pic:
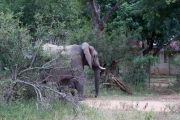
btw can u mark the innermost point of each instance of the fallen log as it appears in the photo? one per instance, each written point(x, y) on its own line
point(103, 84)
point(120, 85)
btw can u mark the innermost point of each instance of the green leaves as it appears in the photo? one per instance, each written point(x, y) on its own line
point(13, 41)
point(170, 1)
point(136, 74)
point(146, 60)
point(176, 60)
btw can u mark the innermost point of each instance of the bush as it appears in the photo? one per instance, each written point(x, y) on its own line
point(21, 63)
point(137, 74)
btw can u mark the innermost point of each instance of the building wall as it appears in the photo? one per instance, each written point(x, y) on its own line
point(163, 68)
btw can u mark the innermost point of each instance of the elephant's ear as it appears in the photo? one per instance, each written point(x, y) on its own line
point(86, 50)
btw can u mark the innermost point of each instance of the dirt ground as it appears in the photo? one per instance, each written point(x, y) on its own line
point(161, 103)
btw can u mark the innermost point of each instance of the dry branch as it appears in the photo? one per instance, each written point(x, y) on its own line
point(108, 84)
point(42, 100)
point(120, 85)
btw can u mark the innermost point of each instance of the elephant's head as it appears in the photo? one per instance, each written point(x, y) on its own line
point(92, 59)
point(91, 56)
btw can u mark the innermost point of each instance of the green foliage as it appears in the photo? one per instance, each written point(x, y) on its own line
point(170, 1)
point(149, 115)
point(68, 15)
point(25, 7)
point(176, 60)
point(146, 60)
point(18, 58)
point(160, 19)
point(114, 46)
point(14, 43)
point(20, 110)
point(136, 74)
point(69, 22)
point(84, 34)
point(157, 19)
point(50, 9)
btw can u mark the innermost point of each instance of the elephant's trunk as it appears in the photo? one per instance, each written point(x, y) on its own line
point(97, 79)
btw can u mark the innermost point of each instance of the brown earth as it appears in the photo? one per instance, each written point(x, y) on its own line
point(163, 103)
point(159, 104)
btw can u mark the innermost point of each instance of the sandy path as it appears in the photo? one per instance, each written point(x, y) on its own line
point(159, 104)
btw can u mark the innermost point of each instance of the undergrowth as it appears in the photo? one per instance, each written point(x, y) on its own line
point(61, 110)
point(26, 110)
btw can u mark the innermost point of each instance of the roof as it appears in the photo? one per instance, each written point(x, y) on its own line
point(175, 45)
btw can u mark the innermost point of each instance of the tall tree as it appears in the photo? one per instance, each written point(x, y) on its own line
point(162, 23)
point(98, 23)
point(156, 22)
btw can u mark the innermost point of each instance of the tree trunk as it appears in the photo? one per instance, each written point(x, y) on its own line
point(150, 46)
point(98, 23)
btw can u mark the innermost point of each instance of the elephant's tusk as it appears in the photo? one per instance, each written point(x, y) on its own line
point(102, 68)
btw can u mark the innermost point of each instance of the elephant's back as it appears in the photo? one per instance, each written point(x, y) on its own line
point(50, 48)
point(72, 49)
point(69, 49)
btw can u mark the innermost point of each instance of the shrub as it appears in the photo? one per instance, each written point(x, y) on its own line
point(137, 74)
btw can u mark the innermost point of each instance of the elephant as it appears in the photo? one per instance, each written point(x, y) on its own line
point(70, 83)
point(77, 56)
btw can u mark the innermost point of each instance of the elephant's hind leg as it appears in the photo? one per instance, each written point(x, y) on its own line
point(79, 88)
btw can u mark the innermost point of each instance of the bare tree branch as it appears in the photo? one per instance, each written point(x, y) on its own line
point(42, 100)
point(95, 11)
point(111, 10)
point(47, 65)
